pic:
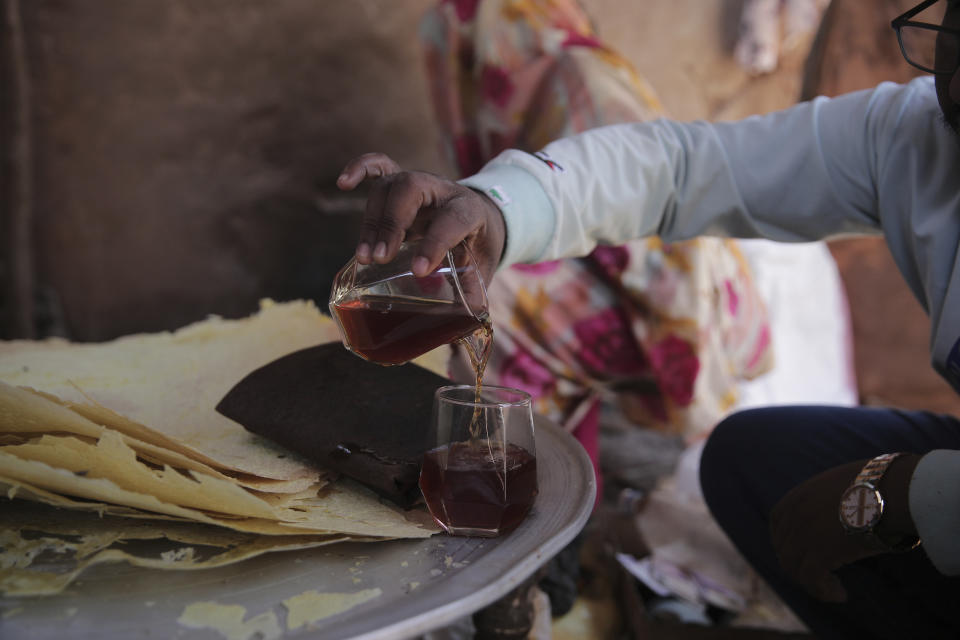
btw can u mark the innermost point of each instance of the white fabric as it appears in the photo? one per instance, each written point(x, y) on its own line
point(868, 162)
point(809, 326)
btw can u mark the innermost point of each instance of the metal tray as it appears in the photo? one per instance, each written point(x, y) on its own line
point(423, 584)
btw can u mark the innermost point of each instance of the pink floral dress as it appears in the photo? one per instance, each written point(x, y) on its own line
point(667, 330)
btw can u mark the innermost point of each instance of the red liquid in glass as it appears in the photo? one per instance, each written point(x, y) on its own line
point(467, 489)
point(391, 330)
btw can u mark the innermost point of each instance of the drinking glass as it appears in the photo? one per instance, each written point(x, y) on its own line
point(480, 477)
point(387, 315)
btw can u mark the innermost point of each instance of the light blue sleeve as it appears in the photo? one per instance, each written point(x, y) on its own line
point(801, 174)
point(526, 209)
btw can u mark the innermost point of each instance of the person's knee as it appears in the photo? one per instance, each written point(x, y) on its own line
point(754, 456)
point(728, 449)
point(729, 440)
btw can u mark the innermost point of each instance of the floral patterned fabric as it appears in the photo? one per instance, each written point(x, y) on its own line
point(666, 330)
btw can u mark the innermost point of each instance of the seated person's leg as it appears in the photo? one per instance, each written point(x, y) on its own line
point(753, 458)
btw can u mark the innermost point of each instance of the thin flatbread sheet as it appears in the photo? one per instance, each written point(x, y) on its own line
point(171, 382)
point(110, 458)
point(25, 413)
point(344, 507)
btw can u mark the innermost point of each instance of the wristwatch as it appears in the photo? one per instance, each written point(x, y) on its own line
point(861, 505)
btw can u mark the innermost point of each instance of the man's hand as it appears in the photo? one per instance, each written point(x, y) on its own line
point(810, 541)
point(444, 213)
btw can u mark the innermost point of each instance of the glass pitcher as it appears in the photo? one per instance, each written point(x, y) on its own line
point(387, 315)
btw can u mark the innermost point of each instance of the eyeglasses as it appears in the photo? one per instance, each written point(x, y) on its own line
point(928, 47)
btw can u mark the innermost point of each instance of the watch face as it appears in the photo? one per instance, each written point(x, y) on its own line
point(860, 507)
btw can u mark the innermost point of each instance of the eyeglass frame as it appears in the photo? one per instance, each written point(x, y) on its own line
point(903, 20)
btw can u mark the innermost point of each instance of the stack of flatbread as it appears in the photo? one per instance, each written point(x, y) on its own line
point(120, 441)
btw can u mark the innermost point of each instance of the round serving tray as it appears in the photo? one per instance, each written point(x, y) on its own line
point(420, 584)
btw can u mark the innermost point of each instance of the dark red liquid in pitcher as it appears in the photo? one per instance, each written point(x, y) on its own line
point(467, 488)
point(391, 330)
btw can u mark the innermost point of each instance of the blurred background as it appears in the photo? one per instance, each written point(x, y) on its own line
point(165, 160)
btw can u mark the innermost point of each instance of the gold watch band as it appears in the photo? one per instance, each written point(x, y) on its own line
point(874, 470)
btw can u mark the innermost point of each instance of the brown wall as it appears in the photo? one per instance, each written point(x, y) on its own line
point(185, 150)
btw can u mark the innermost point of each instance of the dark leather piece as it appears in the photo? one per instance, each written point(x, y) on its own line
point(366, 421)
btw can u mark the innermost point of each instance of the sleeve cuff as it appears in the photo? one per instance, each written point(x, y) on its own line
point(527, 212)
point(935, 508)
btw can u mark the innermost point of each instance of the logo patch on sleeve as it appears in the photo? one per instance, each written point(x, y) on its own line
point(545, 158)
point(498, 195)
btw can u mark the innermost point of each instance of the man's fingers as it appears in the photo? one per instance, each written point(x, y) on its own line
point(367, 166)
point(791, 557)
point(809, 573)
point(444, 232)
point(394, 204)
point(409, 194)
point(830, 589)
point(817, 579)
point(370, 229)
point(441, 212)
